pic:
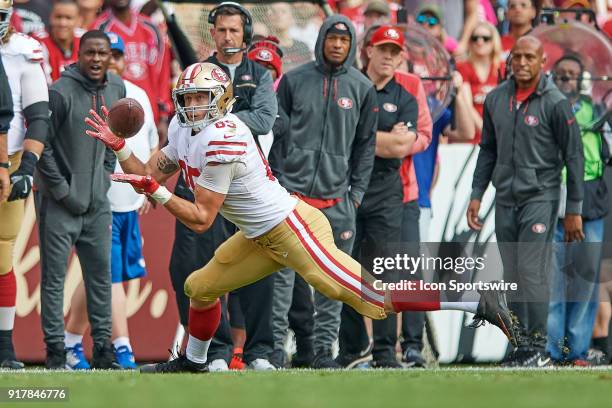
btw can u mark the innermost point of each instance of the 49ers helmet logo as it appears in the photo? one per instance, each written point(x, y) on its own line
point(345, 103)
point(531, 120)
point(218, 74)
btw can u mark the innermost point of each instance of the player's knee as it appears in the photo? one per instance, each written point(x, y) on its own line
point(198, 290)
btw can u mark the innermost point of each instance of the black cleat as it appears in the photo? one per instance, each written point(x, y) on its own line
point(413, 358)
point(104, 357)
point(11, 364)
point(56, 356)
point(536, 359)
point(324, 361)
point(493, 308)
point(390, 363)
point(179, 365)
point(353, 360)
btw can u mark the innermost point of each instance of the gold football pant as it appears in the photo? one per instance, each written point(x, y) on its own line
point(304, 243)
point(11, 216)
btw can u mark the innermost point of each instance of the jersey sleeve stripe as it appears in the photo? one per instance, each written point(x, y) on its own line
point(227, 152)
point(222, 143)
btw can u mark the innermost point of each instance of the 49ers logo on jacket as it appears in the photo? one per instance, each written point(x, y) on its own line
point(345, 103)
point(219, 75)
point(531, 120)
point(538, 228)
point(389, 107)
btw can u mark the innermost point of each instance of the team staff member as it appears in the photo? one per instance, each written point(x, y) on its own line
point(61, 43)
point(21, 57)
point(256, 106)
point(330, 146)
point(529, 134)
point(71, 203)
point(381, 208)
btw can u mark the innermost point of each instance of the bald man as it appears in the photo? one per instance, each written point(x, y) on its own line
point(529, 135)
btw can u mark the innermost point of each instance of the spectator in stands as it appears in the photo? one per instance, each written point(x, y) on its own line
point(430, 17)
point(331, 143)
point(520, 16)
point(281, 21)
point(147, 57)
point(88, 12)
point(127, 262)
point(482, 70)
point(61, 43)
point(377, 12)
point(71, 203)
point(575, 278)
point(256, 106)
point(34, 14)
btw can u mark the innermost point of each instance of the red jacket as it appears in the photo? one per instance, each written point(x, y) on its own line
point(412, 84)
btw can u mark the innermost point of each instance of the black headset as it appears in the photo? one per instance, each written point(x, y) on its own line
point(248, 20)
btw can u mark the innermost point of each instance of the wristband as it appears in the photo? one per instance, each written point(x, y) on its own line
point(161, 195)
point(5, 165)
point(124, 153)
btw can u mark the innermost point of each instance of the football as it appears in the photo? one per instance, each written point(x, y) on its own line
point(125, 117)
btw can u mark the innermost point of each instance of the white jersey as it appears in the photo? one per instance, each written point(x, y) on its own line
point(22, 57)
point(255, 201)
point(122, 196)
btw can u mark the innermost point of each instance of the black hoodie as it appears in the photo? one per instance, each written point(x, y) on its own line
point(75, 167)
point(330, 142)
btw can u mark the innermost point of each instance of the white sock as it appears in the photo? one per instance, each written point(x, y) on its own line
point(463, 306)
point(197, 349)
point(72, 339)
point(7, 318)
point(122, 341)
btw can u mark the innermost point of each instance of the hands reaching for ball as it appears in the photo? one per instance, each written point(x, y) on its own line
point(142, 184)
point(102, 131)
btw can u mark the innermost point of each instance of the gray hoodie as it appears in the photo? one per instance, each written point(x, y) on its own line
point(330, 141)
point(75, 167)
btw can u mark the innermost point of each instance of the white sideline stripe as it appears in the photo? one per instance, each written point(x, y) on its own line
point(331, 265)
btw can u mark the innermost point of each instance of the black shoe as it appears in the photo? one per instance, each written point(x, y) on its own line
point(536, 359)
point(11, 364)
point(278, 358)
point(56, 356)
point(298, 361)
point(386, 363)
point(104, 357)
point(515, 357)
point(413, 358)
point(323, 360)
point(352, 360)
point(493, 308)
point(179, 365)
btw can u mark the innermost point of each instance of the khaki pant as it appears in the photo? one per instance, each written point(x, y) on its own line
point(11, 216)
point(304, 243)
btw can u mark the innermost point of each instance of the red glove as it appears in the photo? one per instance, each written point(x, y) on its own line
point(102, 131)
point(142, 184)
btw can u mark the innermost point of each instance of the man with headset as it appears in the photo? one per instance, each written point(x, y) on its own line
point(256, 106)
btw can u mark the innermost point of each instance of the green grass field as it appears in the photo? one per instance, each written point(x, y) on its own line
point(476, 387)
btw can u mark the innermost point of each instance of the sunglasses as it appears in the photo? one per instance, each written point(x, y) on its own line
point(430, 20)
point(484, 38)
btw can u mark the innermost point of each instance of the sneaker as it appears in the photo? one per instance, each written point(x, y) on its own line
point(261, 364)
point(103, 357)
point(352, 360)
point(597, 357)
point(413, 358)
point(515, 358)
point(493, 308)
point(75, 358)
point(125, 358)
point(323, 360)
point(536, 359)
point(390, 363)
point(178, 365)
point(237, 362)
point(56, 356)
point(11, 364)
point(218, 365)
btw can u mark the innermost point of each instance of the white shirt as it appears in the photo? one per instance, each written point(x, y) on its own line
point(254, 201)
point(122, 196)
point(22, 57)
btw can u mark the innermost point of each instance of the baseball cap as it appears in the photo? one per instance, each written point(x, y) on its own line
point(116, 43)
point(387, 35)
point(378, 6)
point(432, 9)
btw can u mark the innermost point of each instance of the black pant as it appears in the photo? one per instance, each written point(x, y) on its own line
point(412, 322)
point(301, 317)
point(378, 234)
point(525, 235)
point(192, 251)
